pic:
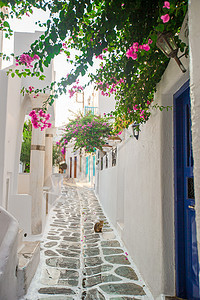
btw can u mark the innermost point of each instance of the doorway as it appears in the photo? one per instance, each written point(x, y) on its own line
point(75, 166)
point(187, 266)
point(70, 168)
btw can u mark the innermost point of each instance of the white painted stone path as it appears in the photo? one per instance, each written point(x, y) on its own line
point(76, 262)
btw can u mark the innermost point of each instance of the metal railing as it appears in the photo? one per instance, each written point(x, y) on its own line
point(91, 109)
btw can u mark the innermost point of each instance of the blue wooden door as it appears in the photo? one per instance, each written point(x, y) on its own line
point(187, 266)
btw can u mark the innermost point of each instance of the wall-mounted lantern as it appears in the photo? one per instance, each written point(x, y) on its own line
point(135, 128)
point(166, 43)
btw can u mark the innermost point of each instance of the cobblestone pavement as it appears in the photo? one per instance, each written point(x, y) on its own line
point(76, 262)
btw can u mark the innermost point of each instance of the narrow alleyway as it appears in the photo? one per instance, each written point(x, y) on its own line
point(76, 262)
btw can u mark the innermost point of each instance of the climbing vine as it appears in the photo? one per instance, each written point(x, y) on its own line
point(121, 34)
point(87, 133)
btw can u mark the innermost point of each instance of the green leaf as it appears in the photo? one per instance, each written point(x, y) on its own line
point(160, 28)
point(6, 24)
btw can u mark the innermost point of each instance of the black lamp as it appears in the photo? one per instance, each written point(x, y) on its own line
point(135, 128)
point(166, 43)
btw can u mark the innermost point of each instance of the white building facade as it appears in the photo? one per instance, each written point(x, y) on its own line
point(23, 206)
point(152, 195)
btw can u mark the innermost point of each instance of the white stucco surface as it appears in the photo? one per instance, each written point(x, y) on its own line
point(194, 43)
point(23, 183)
point(8, 256)
point(138, 194)
point(106, 104)
point(20, 208)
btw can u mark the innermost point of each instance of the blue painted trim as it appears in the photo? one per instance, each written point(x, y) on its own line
point(182, 90)
point(186, 253)
point(179, 220)
point(89, 166)
point(94, 160)
point(86, 169)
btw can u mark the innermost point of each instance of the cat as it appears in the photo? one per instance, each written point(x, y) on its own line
point(98, 226)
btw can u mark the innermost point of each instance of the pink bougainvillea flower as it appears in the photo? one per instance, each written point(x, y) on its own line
point(31, 88)
point(134, 56)
point(150, 41)
point(100, 56)
point(166, 4)
point(146, 47)
point(36, 56)
point(165, 18)
point(129, 53)
point(135, 47)
point(40, 120)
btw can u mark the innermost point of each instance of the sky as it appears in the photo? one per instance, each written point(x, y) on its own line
point(66, 108)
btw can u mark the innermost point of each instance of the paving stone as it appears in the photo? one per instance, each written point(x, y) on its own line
point(54, 225)
point(92, 241)
point(86, 232)
point(91, 251)
point(91, 245)
point(93, 261)
point(124, 298)
point(50, 253)
point(113, 243)
point(107, 230)
point(76, 234)
point(50, 244)
point(123, 289)
point(68, 282)
point(93, 294)
point(69, 274)
point(53, 232)
point(75, 248)
point(94, 280)
point(56, 290)
point(92, 236)
point(126, 272)
point(71, 246)
point(117, 259)
point(63, 262)
point(57, 298)
point(109, 251)
point(68, 253)
point(53, 237)
point(71, 239)
point(65, 233)
point(98, 269)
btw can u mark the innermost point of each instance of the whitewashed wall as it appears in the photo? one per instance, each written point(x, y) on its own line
point(194, 41)
point(106, 104)
point(138, 193)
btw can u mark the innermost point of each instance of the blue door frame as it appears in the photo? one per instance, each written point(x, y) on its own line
point(187, 266)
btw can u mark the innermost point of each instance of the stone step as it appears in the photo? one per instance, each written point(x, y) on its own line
point(29, 257)
point(20, 239)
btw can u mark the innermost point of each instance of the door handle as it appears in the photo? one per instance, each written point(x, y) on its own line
point(191, 206)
